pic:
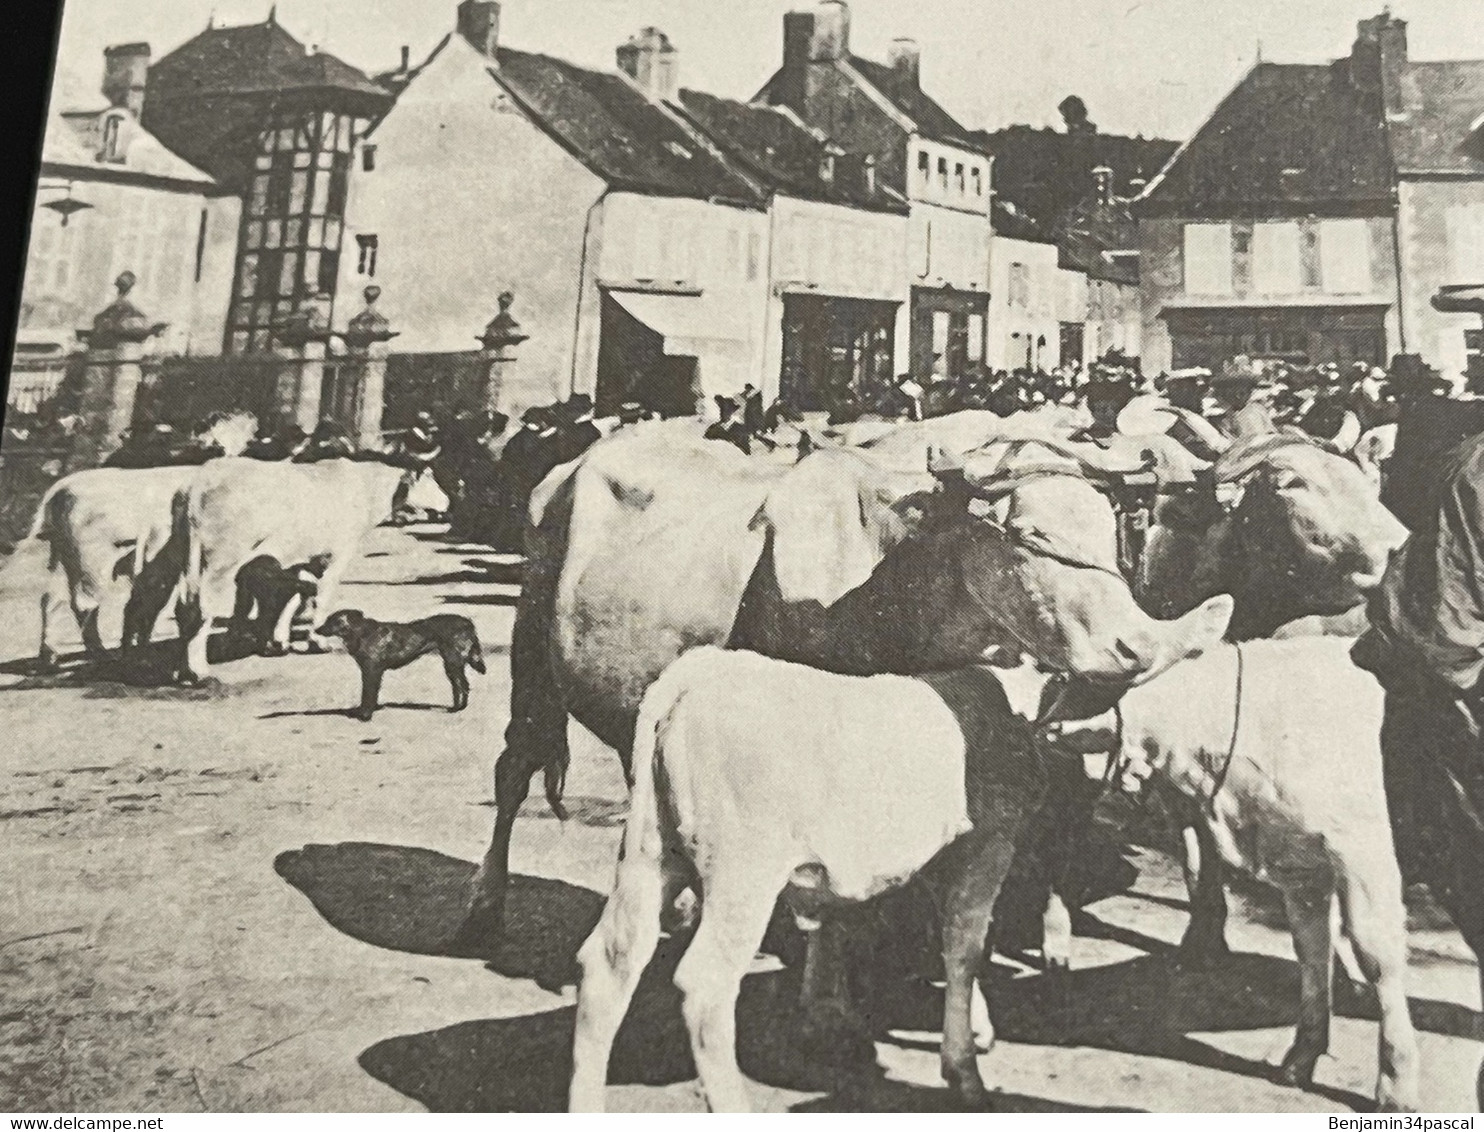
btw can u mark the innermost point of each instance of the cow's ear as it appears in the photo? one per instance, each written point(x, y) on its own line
point(828, 530)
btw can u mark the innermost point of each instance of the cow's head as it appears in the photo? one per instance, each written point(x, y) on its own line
point(1309, 526)
point(1044, 564)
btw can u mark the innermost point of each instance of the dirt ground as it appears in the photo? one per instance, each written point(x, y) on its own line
point(236, 899)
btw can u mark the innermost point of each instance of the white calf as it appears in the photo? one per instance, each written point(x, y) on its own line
point(1278, 744)
point(752, 776)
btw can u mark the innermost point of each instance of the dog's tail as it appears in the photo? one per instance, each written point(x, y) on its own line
point(476, 655)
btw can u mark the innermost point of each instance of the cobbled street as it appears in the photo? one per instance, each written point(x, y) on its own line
point(236, 898)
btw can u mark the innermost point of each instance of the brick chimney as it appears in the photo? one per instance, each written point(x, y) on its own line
point(905, 58)
point(479, 23)
point(1378, 60)
point(125, 71)
point(650, 59)
point(831, 39)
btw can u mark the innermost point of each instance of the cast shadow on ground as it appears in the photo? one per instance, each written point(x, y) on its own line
point(412, 900)
point(522, 1064)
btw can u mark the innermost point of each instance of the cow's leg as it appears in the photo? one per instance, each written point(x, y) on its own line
point(967, 907)
point(739, 894)
point(282, 635)
point(53, 599)
point(1205, 878)
point(324, 600)
point(612, 960)
point(485, 918)
point(196, 613)
point(1376, 922)
point(1308, 904)
point(825, 993)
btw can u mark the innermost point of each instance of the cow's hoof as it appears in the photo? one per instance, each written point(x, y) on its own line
point(48, 663)
point(969, 1088)
point(363, 716)
point(835, 1035)
point(1204, 949)
point(189, 680)
point(314, 645)
point(478, 934)
point(1297, 1069)
point(274, 648)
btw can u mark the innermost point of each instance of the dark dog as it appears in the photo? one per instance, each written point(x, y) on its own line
point(265, 590)
point(377, 646)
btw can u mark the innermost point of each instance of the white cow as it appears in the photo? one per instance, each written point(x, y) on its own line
point(98, 524)
point(759, 775)
point(1278, 745)
point(237, 509)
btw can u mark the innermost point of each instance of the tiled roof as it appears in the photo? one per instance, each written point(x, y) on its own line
point(257, 59)
point(1441, 103)
point(74, 139)
point(1298, 136)
point(932, 121)
point(1008, 220)
point(616, 131)
point(779, 152)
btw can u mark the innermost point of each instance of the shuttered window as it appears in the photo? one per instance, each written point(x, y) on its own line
point(1208, 259)
point(1276, 258)
point(1345, 256)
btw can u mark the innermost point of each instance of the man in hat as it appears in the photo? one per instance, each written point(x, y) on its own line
point(1106, 394)
point(1238, 415)
point(327, 442)
point(577, 432)
point(630, 413)
point(730, 426)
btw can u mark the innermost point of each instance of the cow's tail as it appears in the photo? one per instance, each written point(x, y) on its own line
point(642, 836)
point(183, 533)
point(42, 525)
point(476, 656)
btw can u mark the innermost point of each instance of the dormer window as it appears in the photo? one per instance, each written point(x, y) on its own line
point(958, 174)
point(113, 148)
point(924, 167)
point(978, 182)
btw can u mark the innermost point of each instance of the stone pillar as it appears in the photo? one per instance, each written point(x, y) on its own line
point(303, 338)
point(500, 338)
point(366, 337)
point(115, 348)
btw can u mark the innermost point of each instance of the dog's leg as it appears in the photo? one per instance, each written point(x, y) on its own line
point(370, 691)
point(453, 665)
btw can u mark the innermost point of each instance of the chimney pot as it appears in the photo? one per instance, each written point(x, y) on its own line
point(905, 58)
point(831, 39)
point(406, 58)
point(650, 59)
point(479, 23)
point(125, 75)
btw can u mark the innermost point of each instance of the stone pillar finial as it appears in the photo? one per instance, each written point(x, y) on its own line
point(115, 345)
point(502, 334)
point(366, 337)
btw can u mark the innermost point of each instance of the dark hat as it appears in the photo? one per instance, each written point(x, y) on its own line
point(580, 403)
point(631, 411)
